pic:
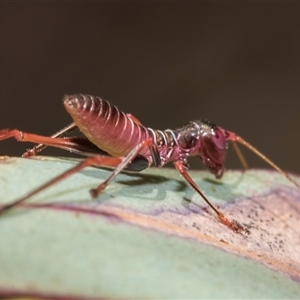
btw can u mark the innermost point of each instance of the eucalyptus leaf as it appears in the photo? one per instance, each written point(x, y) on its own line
point(148, 235)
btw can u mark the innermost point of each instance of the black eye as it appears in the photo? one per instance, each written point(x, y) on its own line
point(187, 138)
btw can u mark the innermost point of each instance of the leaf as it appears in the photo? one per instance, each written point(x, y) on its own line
point(148, 235)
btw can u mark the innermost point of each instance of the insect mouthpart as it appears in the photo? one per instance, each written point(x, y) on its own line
point(213, 148)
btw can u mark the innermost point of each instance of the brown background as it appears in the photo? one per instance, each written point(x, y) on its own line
point(237, 64)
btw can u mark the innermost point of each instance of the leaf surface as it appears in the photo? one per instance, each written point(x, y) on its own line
point(148, 235)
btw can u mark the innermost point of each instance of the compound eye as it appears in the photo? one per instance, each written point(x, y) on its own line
point(219, 138)
point(187, 139)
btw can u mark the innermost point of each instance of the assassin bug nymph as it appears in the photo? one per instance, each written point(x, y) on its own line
point(115, 139)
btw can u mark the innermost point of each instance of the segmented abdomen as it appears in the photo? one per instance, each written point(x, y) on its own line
point(104, 124)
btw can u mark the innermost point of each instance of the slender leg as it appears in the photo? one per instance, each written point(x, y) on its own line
point(91, 161)
point(33, 151)
point(77, 144)
point(234, 225)
point(63, 143)
point(132, 154)
point(99, 161)
point(153, 149)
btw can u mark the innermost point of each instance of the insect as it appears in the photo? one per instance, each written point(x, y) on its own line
point(112, 138)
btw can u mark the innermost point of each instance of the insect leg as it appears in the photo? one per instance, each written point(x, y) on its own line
point(182, 169)
point(91, 161)
point(99, 161)
point(66, 130)
point(63, 143)
point(79, 145)
point(125, 162)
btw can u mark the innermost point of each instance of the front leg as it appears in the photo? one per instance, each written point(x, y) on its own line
point(232, 224)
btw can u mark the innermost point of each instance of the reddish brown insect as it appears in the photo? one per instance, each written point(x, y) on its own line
point(115, 139)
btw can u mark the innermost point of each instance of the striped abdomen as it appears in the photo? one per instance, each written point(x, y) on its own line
point(104, 124)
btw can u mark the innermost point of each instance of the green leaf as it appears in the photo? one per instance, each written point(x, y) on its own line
point(148, 235)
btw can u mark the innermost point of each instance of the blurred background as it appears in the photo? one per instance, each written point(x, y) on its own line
point(236, 64)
